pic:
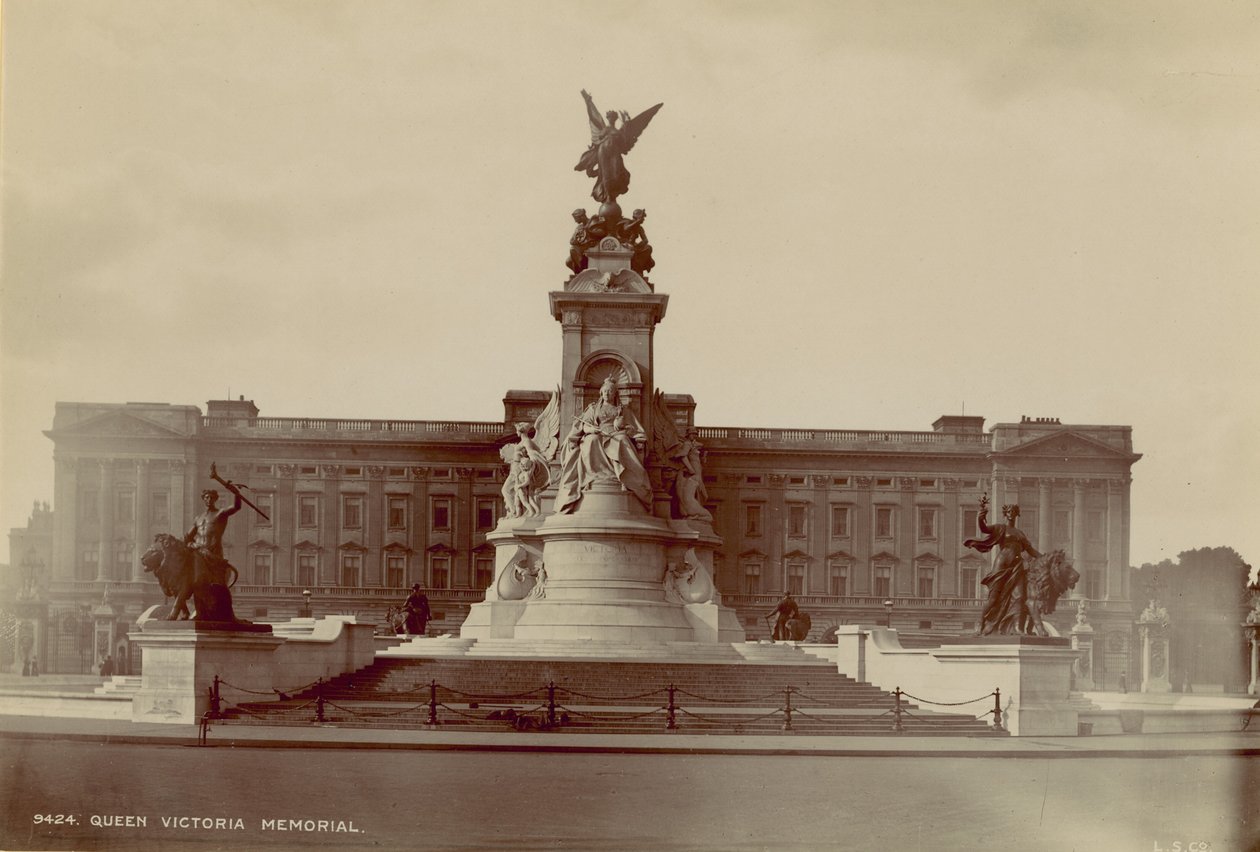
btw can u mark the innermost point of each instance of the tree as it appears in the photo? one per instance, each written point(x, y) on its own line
point(1205, 592)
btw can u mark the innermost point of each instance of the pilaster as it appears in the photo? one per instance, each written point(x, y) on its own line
point(105, 512)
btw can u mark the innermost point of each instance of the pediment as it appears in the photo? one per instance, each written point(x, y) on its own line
point(260, 544)
point(884, 556)
point(1066, 444)
point(119, 423)
point(440, 548)
point(798, 555)
point(928, 558)
point(351, 545)
point(306, 544)
point(396, 547)
point(752, 553)
point(841, 556)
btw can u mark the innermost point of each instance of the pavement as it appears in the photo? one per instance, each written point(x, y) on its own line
point(312, 736)
point(17, 722)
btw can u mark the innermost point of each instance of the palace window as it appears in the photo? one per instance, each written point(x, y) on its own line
point(264, 501)
point(839, 521)
point(839, 581)
point(350, 565)
point(125, 506)
point(971, 523)
point(485, 515)
point(1093, 584)
point(927, 581)
point(262, 569)
point(397, 513)
point(883, 522)
point(927, 523)
point(161, 508)
point(752, 578)
point(883, 581)
point(752, 519)
point(308, 510)
point(306, 564)
point(1062, 525)
point(441, 514)
point(796, 578)
point(352, 512)
point(968, 583)
point(395, 571)
point(440, 572)
point(1094, 525)
point(122, 558)
point(483, 572)
point(91, 557)
point(796, 520)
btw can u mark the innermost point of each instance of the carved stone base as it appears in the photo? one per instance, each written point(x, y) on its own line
point(607, 572)
point(182, 658)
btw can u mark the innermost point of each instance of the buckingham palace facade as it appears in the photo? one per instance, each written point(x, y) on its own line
point(861, 526)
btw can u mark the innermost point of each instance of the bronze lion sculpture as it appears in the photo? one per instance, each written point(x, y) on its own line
point(1048, 576)
point(175, 565)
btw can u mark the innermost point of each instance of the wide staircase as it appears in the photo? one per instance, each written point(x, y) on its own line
point(469, 693)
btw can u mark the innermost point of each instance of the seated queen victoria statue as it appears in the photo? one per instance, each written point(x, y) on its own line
point(603, 446)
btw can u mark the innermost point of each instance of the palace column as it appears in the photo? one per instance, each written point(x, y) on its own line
point(142, 516)
point(66, 519)
point(105, 513)
point(775, 529)
point(1045, 513)
point(1078, 532)
point(1115, 540)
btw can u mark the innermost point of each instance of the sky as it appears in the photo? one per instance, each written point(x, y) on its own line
point(866, 215)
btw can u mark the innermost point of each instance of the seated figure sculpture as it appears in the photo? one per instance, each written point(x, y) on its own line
point(604, 445)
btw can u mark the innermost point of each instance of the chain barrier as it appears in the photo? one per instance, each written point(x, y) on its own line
point(281, 692)
point(947, 703)
point(613, 717)
point(728, 700)
point(613, 698)
point(556, 714)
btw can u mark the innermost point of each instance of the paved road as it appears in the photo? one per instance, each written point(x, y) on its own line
point(523, 801)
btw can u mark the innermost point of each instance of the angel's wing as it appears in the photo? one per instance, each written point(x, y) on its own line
point(547, 426)
point(664, 433)
point(592, 114)
point(629, 132)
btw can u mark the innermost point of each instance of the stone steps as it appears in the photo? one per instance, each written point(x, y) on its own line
point(604, 696)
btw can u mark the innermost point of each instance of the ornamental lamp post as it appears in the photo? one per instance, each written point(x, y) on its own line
point(888, 607)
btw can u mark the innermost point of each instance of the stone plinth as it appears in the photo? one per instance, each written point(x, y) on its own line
point(1083, 644)
point(182, 658)
point(1252, 631)
point(603, 573)
point(1154, 658)
point(1032, 673)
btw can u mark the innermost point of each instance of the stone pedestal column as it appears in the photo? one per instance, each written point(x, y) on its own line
point(1252, 631)
point(1083, 668)
point(182, 658)
point(1154, 657)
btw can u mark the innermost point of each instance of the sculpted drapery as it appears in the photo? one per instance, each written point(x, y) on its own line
point(603, 446)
